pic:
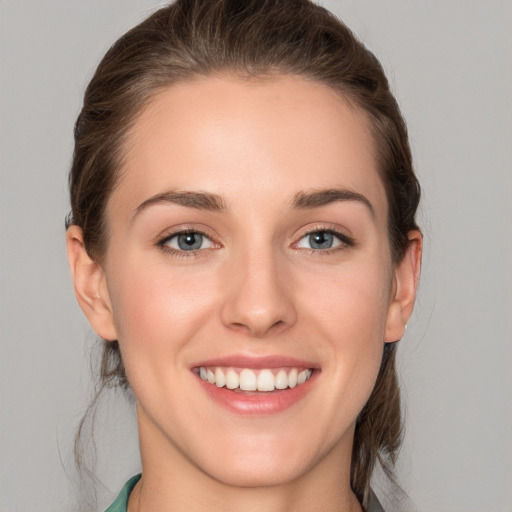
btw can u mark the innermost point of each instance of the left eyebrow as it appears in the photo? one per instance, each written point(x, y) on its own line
point(318, 198)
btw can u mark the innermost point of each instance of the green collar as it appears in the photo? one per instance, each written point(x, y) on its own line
point(121, 503)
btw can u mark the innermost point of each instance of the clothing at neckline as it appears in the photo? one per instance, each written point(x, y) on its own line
point(121, 502)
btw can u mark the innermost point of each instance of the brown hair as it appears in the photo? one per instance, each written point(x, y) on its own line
point(253, 38)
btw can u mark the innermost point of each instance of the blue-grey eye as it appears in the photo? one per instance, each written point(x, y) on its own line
point(190, 241)
point(319, 240)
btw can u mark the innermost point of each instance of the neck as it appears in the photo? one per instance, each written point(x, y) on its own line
point(172, 482)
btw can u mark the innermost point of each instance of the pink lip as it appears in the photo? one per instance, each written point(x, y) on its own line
point(256, 362)
point(260, 403)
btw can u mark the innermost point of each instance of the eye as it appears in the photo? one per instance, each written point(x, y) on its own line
point(322, 240)
point(188, 241)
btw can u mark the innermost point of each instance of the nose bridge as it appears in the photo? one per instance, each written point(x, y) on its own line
point(258, 295)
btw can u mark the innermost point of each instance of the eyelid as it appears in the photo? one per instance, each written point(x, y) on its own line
point(167, 241)
point(346, 240)
point(185, 228)
point(162, 239)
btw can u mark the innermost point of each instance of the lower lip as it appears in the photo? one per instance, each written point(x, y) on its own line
point(258, 404)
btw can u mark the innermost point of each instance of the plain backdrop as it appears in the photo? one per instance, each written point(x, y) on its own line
point(449, 62)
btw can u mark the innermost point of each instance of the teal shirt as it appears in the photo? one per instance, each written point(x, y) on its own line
point(121, 502)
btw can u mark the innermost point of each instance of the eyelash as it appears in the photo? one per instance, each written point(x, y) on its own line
point(345, 242)
point(183, 253)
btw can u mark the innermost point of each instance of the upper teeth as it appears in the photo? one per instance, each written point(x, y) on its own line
point(250, 380)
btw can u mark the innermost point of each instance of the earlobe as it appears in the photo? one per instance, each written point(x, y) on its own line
point(406, 279)
point(90, 285)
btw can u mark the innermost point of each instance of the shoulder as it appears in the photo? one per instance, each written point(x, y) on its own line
point(121, 501)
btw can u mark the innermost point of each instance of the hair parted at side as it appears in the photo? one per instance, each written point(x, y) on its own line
point(249, 39)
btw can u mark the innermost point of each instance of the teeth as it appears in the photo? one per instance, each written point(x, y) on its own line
point(292, 378)
point(266, 381)
point(250, 380)
point(281, 380)
point(232, 379)
point(220, 379)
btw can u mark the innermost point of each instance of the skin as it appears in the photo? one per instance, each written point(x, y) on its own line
point(255, 287)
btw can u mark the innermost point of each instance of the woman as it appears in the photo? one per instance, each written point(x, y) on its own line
point(243, 239)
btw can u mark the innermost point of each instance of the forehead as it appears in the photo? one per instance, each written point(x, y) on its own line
point(270, 137)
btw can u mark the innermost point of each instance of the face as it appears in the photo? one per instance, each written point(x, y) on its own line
point(248, 277)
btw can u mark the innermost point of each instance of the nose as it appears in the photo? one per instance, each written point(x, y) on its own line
point(258, 295)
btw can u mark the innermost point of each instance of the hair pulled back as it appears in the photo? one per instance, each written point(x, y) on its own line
point(253, 38)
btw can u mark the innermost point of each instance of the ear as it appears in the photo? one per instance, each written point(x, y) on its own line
point(405, 286)
point(90, 285)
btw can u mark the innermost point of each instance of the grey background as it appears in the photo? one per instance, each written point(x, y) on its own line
point(450, 66)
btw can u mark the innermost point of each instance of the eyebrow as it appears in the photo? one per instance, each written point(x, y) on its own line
point(198, 200)
point(215, 203)
point(318, 198)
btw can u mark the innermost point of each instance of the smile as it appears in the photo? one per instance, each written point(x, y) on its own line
point(247, 379)
point(247, 384)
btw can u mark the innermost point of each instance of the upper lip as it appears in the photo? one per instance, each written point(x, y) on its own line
point(256, 362)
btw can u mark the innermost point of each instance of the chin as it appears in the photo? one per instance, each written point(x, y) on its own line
point(257, 474)
point(271, 463)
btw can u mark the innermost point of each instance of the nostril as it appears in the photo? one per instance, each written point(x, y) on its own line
point(256, 330)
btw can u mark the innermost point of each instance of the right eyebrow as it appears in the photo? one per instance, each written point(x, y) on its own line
point(190, 199)
point(318, 198)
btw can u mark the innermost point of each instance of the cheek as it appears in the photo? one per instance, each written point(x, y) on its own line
point(354, 300)
point(350, 311)
point(158, 308)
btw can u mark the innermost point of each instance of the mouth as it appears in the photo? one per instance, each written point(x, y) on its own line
point(255, 385)
point(254, 381)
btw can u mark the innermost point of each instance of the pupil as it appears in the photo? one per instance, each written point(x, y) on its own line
point(190, 241)
point(321, 240)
